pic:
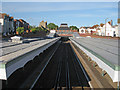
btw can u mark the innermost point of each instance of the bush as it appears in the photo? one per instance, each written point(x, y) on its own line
point(34, 30)
point(20, 30)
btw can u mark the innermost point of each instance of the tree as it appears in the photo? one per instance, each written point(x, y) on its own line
point(30, 27)
point(73, 28)
point(34, 30)
point(52, 26)
point(20, 30)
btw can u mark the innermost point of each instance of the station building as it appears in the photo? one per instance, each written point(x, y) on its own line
point(64, 30)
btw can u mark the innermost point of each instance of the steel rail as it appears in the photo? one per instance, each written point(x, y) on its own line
point(43, 69)
point(80, 65)
point(57, 84)
point(67, 69)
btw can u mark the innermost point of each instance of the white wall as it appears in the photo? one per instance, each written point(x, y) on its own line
point(0, 28)
point(119, 29)
point(52, 31)
point(89, 30)
point(80, 30)
point(109, 30)
point(1, 21)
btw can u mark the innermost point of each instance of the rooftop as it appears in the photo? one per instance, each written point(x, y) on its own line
point(63, 28)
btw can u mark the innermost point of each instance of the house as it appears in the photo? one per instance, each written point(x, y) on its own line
point(119, 27)
point(7, 24)
point(11, 25)
point(0, 29)
point(84, 30)
point(16, 24)
point(91, 30)
point(109, 30)
point(99, 29)
point(22, 23)
point(4, 20)
point(115, 31)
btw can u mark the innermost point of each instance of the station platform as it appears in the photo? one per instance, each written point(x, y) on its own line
point(105, 52)
point(15, 55)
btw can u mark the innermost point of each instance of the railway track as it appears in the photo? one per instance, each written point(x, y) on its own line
point(61, 71)
point(69, 74)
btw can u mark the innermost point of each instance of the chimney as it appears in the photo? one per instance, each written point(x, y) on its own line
point(111, 23)
point(118, 20)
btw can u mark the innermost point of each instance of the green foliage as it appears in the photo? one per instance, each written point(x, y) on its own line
point(20, 30)
point(30, 27)
point(73, 28)
point(52, 26)
point(34, 30)
point(37, 29)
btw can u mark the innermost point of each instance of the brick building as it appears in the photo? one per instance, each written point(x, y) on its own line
point(7, 22)
point(63, 28)
point(21, 23)
point(43, 24)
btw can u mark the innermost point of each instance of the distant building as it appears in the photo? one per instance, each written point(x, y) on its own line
point(63, 28)
point(84, 30)
point(0, 28)
point(108, 30)
point(99, 29)
point(43, 24)
point(11, 25)
point(119, 27)
point(21, 23)
point(6, 24)
point(16, 24)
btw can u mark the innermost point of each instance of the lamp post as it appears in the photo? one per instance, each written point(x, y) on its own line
point(105, 25)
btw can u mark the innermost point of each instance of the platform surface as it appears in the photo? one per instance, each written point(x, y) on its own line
point(10, 50)
point(109, 49)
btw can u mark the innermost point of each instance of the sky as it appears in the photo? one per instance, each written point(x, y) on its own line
point(72, 13)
